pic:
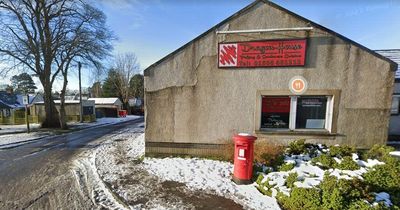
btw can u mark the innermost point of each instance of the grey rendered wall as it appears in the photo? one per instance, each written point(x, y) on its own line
point(189, 100)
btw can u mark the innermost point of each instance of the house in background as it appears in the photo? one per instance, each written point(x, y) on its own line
point(394, 125)
point(12, 108)
point(107, 107)
point(136, 106)
point(72, 109)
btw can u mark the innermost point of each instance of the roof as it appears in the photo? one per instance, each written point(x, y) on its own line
point(394, 55)
point(105, 100)
point(59, 101)
point(250, 6)
point(9, 101)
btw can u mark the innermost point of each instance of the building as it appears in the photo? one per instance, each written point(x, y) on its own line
point(107, 107)
point(72, 110)
point(272, 73)
point(394, 125)
point(12, 108)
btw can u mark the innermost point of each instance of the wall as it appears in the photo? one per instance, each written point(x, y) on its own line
point(189, 100)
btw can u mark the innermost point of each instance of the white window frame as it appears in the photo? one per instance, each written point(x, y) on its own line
point(293, 114)
point(396, 103)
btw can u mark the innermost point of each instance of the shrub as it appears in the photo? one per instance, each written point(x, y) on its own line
point(380, 152)
point(287, 166)
point(385, 178)
point(324, 161)
point(347, 164)
point(291, 179)
point(297, 147)
point(360, 204)
point(265, 188)
point(341, 151)
point(339, 193)
point(301, 198)
point(268, 154)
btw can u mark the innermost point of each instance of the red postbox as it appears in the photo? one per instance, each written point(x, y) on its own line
point(244, 155)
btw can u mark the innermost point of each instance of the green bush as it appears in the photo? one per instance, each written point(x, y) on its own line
point(291, 179)
point(259, 179)
point(360, 204)
point(301, 198)
point(341, 151)
point(265, 188)
point(380, 152)
point(286, 166)
point(347, 164)
point(385, 178)
point(297, 147)
point(324, 161)
point(340, 193)
point(273, 160)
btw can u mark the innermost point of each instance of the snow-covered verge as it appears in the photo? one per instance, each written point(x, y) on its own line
point(103, 121)
point(94, 169)
point(17, 139)
point(7, 129)
point(211, 176)
point(122, 178)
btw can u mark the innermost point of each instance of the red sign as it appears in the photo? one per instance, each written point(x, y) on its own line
point(262, 53)
point(276, 105)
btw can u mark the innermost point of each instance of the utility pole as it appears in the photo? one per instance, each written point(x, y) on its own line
point(26, 102)
point(80, 94)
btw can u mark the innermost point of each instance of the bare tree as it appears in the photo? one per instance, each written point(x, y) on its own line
point(126, 65)
point(47, 37)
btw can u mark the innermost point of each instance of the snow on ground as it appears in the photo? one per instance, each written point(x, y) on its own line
point(103, 121)
point(113, 163)
point(127, 183)
point(6, 129)
point(15, 139)
point(211, 176)
point(12, 140)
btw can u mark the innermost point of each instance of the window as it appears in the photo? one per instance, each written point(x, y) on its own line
point(395, 104)
point(296, 112)
point(275, 112)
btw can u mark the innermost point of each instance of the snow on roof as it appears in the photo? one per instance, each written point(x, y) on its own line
point(105, 100)
point(394, 55)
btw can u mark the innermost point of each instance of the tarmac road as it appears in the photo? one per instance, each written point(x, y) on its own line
point(37, 175)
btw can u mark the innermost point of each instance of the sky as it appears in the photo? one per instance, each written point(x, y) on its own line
point(154, 28)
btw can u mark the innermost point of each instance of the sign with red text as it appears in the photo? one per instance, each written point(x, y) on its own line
point(268, 53)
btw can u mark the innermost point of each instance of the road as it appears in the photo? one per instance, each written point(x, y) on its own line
point(37, 175)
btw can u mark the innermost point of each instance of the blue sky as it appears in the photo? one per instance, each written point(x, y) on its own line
point(154, 28)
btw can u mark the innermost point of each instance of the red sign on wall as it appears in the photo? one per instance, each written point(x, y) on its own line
point(272, 53)
point(275, 104)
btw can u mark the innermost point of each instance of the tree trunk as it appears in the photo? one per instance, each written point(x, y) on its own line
point(51, 114)
point(63, 120)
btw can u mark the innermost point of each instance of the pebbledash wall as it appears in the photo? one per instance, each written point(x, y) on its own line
point(192, 106)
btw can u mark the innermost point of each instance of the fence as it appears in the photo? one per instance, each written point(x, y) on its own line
point(18, 118)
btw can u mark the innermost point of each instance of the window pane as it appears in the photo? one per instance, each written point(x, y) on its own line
point(311, 112)
point(275, 112)
point(395, 105)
